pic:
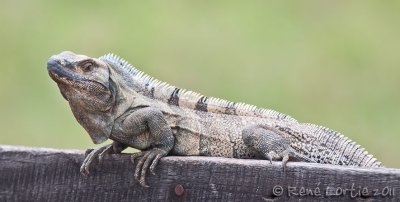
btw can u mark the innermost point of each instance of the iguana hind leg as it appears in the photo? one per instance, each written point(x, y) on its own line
point(271, 145)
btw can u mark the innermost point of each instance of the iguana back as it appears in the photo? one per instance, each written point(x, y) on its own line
point(318, 143)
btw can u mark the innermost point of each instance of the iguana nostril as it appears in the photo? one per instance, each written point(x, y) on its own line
point(52, 63)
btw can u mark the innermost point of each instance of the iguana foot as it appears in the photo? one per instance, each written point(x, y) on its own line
point(284, 155)
point(285, 159)
point(115, 147)
point(148, 161)
point(271, 145)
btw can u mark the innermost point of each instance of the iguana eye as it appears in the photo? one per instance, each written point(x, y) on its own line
point(87, 66)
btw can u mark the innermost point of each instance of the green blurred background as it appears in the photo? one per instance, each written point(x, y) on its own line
point(334, 63)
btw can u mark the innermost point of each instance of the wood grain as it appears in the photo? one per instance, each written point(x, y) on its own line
point(39, 174)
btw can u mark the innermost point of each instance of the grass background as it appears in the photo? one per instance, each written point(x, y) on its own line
point(333, 63)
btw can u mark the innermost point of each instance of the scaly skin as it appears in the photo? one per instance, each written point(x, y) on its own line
point(113, 100)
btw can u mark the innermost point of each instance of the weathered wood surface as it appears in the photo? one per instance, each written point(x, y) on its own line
point(37, 174)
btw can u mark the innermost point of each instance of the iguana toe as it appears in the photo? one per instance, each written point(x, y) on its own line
point(84, 170)
point(92, 154)
point(106, 150)
point(154, 163)
point(284, 162)
point(134, 156)
point(148, 161)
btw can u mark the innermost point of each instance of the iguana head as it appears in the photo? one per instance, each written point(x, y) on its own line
point(86, 84)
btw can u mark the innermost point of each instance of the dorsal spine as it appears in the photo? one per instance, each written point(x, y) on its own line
point(189, 99)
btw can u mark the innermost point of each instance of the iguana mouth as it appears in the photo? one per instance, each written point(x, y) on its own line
point(61, 76)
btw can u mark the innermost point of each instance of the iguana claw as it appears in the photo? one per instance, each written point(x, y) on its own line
point(148, 161)
point(91, 155)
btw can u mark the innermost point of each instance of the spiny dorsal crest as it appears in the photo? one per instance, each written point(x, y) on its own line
point(345, 149)
point(189, 99)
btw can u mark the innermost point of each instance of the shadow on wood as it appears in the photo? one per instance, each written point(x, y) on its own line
point(38, 174)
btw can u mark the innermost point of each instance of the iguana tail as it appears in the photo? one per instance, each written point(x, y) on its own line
point(334, 148)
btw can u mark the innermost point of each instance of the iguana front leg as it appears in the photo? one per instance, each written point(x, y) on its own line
point(271, 145)
point(158, 143)
point(113, 148)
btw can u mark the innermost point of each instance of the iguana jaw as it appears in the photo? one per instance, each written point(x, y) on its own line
point(65, 78)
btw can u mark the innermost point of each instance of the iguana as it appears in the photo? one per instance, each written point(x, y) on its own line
point(113, 100)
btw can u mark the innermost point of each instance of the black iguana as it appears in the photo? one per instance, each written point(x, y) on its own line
point(113, 100)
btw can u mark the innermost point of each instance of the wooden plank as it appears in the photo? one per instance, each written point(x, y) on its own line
point(38, 174)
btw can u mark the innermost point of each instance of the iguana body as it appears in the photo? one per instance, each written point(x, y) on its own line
point(113, 100)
